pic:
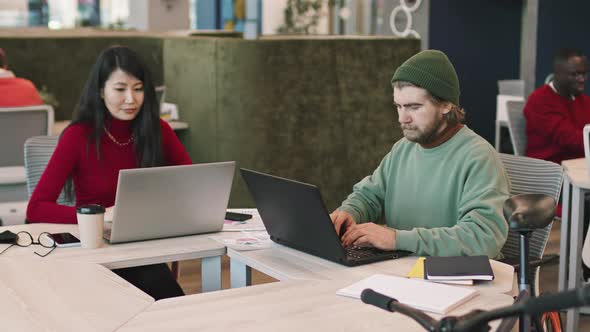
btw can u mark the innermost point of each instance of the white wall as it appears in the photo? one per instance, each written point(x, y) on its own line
point(272, 16)
point(14, 13)
point(138, 14)
point(112, 11)
point(420, 20)
point(159, 15)
point(62, 13)
point(18, 5)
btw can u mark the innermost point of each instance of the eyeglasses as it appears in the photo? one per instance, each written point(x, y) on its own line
point(25, 239)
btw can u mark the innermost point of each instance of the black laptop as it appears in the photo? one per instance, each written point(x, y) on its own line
point(295, 216)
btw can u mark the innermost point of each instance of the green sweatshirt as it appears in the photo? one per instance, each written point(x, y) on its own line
point(443, 201)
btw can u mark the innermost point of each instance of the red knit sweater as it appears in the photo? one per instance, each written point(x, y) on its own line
point(95, 181)
point(17, 92)
point(554, 125)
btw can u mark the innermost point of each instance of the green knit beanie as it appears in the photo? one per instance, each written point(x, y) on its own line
point(431, 70)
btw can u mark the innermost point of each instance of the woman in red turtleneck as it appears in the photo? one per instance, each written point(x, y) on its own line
point(116, 126)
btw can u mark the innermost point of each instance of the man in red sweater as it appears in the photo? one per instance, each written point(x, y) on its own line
point(557, 112)
point(16, 91)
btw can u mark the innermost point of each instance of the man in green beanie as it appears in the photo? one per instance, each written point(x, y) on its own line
point(441, 188)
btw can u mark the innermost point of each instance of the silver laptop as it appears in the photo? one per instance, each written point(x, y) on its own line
point(169, 201)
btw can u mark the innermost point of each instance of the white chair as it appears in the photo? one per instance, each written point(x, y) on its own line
point(19, 123)
point(531, 176)
point(16, 125)
point(517, 126)
point(38, 151)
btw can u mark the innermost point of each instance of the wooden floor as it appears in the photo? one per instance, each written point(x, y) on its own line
point(190, 275)
point(549, 274)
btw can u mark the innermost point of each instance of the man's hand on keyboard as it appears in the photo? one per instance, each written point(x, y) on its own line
point(370, 234)
point(342, 221)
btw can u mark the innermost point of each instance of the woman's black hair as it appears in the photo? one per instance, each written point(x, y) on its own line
point(91, 109)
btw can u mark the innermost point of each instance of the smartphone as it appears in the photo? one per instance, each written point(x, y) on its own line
point(237, 216)
point(63, 240)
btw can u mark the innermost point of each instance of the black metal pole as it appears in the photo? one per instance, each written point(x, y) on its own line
point(524, 280)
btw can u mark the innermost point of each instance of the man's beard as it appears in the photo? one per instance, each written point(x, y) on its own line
point(426, 136)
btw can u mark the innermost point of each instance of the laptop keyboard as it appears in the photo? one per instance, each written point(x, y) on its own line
point(357, 252)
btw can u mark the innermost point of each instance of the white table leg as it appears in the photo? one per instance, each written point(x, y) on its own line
point(575, 267)
point(564, 241)
point(211, 274)
point(240, 274)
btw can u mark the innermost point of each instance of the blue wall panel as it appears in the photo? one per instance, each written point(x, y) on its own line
point(208, 15)
point(482, 39)
point(560, 24)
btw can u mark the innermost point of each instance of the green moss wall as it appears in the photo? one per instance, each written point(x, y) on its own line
point(62, 63)
point(315, 110)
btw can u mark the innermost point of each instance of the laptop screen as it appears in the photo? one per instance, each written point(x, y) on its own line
point(294, 214)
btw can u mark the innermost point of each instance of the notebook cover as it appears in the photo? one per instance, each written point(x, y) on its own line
point(458, 268)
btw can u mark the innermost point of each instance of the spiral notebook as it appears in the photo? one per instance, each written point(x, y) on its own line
point(420, 294)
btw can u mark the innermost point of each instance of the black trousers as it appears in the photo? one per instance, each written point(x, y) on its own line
point(155, 280)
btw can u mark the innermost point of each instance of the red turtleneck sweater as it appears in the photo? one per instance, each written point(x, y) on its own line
point(554, 125)
point(95, 181)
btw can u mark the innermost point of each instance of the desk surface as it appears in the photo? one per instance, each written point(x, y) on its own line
point(576, 171)
point(71, 277)
point(123, 254)
point(284, 306)
point(575, 184)
point(36, 295)
point(284, 263)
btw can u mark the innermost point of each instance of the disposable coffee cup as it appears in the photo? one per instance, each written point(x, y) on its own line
point(90, 223)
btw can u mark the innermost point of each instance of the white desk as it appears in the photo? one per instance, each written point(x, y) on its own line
point(49, 295)
point(13, 213)
point(12, 175)
point(284, 263)
point(288, 305)
point(59, 126)
point(575, 183)
point(129, 254)
point(284, 306)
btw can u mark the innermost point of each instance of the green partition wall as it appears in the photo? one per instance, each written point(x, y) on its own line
point(62, 63)
point(316, 110)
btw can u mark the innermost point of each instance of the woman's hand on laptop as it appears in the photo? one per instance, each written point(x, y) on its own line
point(342, 221)
point(370, 234)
